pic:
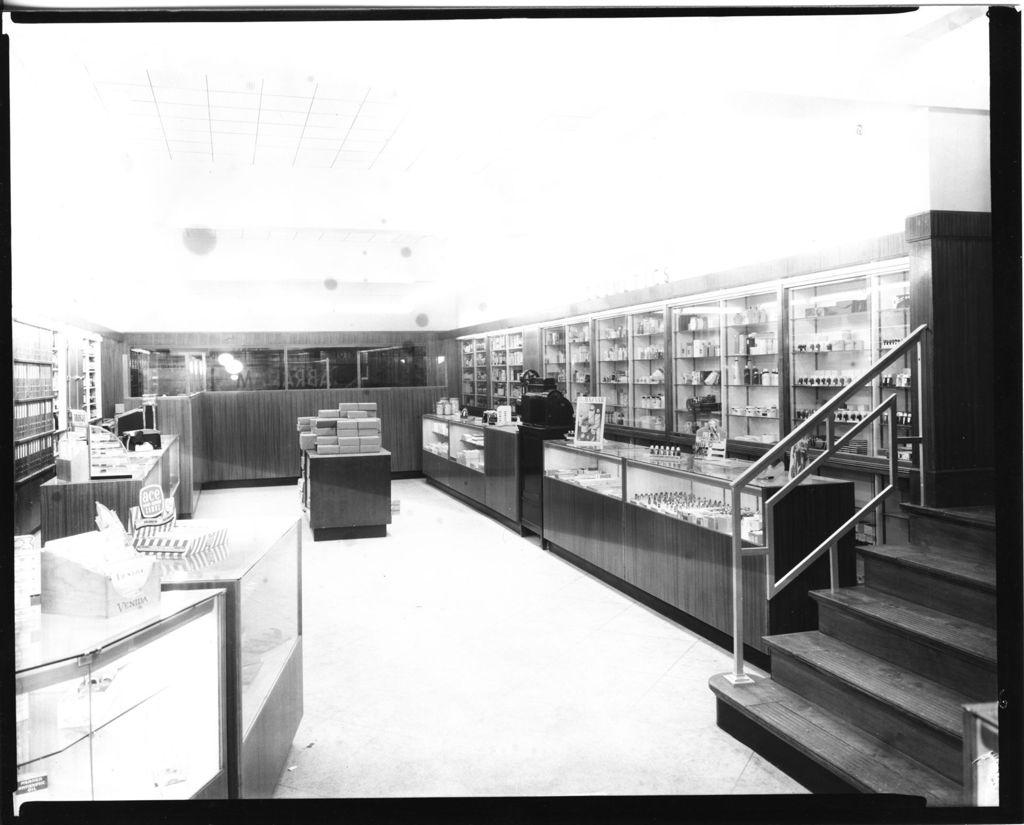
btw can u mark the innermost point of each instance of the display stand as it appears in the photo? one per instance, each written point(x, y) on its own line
point(347, 496)
point(260, 570)
point(126, 708)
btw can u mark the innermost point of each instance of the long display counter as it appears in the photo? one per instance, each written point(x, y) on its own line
point(659, 527)
point(477, 462)
point(69, 507)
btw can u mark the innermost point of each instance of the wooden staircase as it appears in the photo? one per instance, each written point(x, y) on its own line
point(871, 701)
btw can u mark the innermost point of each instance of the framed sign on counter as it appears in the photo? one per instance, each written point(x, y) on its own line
point(590, 421)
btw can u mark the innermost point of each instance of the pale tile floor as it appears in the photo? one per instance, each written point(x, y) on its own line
point(454, 658)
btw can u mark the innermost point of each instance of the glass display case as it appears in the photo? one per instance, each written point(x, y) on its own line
point(599, 471)
point(578, 340)
point(890, 319)
point(474, 372)
point(122, 708)
point(435, 437)
point(697, 366)
point(647, 370)
point(694, 490)
point(466, 446)
point(837, 330)
point(613, 368)
point(752, 368)
point(260, 570)
point(506, 349)
point(554, 357)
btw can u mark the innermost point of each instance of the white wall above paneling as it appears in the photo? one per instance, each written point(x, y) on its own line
point(473, 168)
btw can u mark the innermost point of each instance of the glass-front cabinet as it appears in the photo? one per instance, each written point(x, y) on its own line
point(578, 340)
point(506, 349)
point(474, 372)
point(891, 324)
point(697, 366)
point(435, 437)
point(837, 330)
point(648, 388)
point(555, 358)
point(466, 446)
point(613, 368)
point(752, 367)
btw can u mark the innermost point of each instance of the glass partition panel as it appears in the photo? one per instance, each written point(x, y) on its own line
point(554, 355)
point(578, 340)
point(246, 369)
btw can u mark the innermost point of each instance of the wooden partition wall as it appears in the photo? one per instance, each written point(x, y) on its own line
point(250, 436)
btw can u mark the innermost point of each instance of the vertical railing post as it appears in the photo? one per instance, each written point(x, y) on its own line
point(919, 416)
point(738, 676)
point(833, 566)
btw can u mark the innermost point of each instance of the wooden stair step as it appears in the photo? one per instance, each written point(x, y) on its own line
point(937, 561)
point(956, 652)
point(862, 761)
point(961, 635)
point(931, 703)
point(960, 584)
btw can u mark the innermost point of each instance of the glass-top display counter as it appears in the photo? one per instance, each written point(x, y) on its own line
point(676, 484)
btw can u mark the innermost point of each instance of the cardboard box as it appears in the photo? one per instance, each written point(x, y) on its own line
point(323, 422)
point(348, 440)
point(348, 448)
point(369, 448)
point(326, 440)
point(326, 431)
point(347, 424)
point(329, 449)
point(327, 413)
point(346, 406)
point(358, 414)
point(71, 589)
point(369, 406)
point(369, 440)
point(307, 441)
point(368, 425)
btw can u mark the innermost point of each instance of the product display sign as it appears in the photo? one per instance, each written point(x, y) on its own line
point(151, 501)
point(590, 421)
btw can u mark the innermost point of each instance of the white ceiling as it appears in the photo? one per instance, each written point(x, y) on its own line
point(357, 175)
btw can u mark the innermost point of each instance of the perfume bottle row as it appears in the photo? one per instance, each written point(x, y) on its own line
point(650, 352)
point(698, 323)
point(750, 374)
point(612, 333)
point(758, 343)
point(695, 377)
point(615, 377)
point(899, 379)
point(582, 355)
point(580, 335)
point(843, 341)
point(656, 377)
point(580, 377)
point(554, 338)
point(825, 378)
point(651, 402)
point(698, 349)
point(659, 450)
point(648, 326)
point(616, 354)
point(751, 315)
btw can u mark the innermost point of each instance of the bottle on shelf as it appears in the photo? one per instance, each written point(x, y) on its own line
point(734, 371)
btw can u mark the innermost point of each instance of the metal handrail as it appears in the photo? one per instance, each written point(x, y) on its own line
point(824, 414)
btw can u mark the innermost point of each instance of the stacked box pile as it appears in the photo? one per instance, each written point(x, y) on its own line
point(352, 428)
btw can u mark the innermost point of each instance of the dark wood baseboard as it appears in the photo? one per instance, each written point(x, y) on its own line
point(401, 474)
point(476, 505)
point(250, 482)
point(363, 531)
point(712, 634)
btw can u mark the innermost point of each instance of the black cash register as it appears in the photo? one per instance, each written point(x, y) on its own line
point(542, 404)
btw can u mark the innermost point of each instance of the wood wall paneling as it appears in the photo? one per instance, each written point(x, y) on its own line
point(252, 435)
point(349, 490)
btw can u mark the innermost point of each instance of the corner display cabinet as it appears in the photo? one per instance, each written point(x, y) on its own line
point(659, 527)
point(127, 708)
point(260, 570)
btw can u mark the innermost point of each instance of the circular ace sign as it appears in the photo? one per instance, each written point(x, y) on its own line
point(151, 501)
